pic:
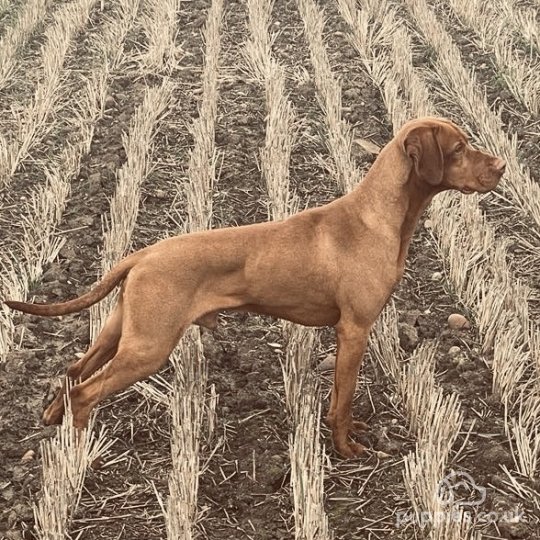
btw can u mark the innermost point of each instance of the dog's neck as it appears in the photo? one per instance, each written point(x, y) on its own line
point(395, 193)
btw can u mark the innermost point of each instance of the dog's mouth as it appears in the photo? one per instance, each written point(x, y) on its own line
point(482, 185)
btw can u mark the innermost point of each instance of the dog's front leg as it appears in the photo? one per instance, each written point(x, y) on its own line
point(351, 346)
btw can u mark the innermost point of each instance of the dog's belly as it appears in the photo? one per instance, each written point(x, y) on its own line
point(306, 315)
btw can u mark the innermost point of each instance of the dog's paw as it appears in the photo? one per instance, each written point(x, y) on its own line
point(53, 414)
point(358, 427)
point(351, 450)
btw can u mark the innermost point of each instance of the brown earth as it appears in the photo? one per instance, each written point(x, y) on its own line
point(245, 491)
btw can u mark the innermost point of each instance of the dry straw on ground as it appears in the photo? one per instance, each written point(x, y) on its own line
point(187, 410)
point(188, 400)
point(520, 71)
point(307, 470)
point(370, 28)
point(258, 48)
point(125, 203)
point(203, 158)
point(110, 42)
point(461, 86)
point(65, 461)
point(339, 133)
point(278, 144)
point(435, 419)
point(43, 211)
point(301, 393)
point(523, 19)
point(302, 397)
point(444, 523)
point(16, 36)
point(160, 31)
point(280, 120)
point(33, 123)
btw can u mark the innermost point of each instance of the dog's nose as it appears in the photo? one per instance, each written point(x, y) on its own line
point(500, 165)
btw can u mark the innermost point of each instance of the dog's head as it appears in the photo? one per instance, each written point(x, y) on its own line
point(443, 158)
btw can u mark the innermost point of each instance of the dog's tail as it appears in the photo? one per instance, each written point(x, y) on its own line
point(102, 289)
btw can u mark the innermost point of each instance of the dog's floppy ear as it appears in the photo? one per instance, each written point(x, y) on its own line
point(421, 144)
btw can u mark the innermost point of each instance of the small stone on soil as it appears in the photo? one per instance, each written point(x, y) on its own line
point(28, 456)
point(456, 321)
point(160, 194)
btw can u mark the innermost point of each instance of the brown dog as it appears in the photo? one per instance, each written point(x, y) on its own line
point(336, 265)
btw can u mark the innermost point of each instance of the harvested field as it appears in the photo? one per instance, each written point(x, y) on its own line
point(127, 121)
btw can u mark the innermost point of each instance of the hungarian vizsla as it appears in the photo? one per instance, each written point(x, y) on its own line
point(335, 265)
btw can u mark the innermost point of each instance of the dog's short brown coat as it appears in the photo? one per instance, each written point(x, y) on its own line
point(335, 265)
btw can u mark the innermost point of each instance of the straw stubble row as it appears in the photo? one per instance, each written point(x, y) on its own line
point(16, 37)
point(434, 418)
point(302, 394)
point(338, 131)
point(475, 258)
point(520, 71)
point(32, 124)
point(478, 267)
point(124, 208)
point(25, 260)
point(190, 405)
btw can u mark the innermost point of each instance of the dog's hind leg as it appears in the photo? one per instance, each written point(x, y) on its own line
point(133, 362)
point(97, 356)
point(153, 322)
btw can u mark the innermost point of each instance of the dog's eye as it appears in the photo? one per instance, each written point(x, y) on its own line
point(459, 148)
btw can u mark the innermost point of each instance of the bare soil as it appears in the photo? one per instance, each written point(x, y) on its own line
point(244, 491)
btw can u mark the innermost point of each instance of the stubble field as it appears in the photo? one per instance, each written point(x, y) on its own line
point(127, 121)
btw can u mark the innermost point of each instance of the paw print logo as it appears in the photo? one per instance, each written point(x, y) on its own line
point(458, 490)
